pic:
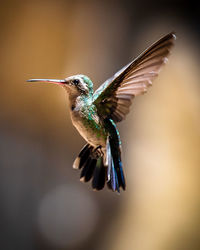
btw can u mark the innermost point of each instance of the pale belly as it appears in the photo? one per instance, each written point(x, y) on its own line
point(91, 131)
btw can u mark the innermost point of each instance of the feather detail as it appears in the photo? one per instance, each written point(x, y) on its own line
point(98, 181)
point(76, 163)
point(88, 170)
point(90, 160)
point(82, 157)
point(132, 80)
point(115, 175)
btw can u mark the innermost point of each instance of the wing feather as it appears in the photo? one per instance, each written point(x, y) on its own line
point(114, 97)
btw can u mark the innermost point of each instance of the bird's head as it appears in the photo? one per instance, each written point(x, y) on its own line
point(75, 85)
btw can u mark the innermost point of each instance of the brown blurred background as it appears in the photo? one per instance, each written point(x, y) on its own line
point(42, 203)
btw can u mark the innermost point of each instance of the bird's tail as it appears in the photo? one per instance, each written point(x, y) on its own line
point(99, 167)
point(115, 174)
point(91, 161)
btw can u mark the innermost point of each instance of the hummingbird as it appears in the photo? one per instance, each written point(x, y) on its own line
point(95, 114)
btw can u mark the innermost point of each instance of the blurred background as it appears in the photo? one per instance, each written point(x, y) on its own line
point(43, 205)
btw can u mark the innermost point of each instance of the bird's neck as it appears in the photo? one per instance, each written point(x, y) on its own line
point(79, 101)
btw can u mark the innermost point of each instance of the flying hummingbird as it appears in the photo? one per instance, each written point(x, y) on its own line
point(95, 114)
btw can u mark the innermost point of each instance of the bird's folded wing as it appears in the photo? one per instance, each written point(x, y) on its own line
point(113, 98)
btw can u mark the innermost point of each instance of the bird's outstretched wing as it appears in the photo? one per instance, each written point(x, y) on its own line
point(113, 98)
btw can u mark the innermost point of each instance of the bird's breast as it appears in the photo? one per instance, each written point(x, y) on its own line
point(89, 125)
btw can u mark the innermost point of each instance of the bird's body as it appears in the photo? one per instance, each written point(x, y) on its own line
point(87, 121)
point(95, 114)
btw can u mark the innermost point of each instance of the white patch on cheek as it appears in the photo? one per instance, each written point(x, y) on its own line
point(84, 85)
point(72, 90)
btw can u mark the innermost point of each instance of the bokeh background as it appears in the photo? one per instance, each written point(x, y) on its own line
point(42, 203)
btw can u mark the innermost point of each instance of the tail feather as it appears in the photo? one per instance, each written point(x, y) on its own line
point(118, 167)
point(94, 166)
point(120, 175)
point(114, 179)
point(82, 157)
point(88, 170)
point(115, 173)
point(98, 181)
point(85, 156)
point(90, 160)
point(111, 172)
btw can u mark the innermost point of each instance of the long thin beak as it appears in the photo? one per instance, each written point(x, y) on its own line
point(48, 80)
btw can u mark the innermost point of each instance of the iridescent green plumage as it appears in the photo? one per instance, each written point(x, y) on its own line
point(91, 119)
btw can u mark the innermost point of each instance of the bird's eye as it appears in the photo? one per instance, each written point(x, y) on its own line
point(75, 81)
